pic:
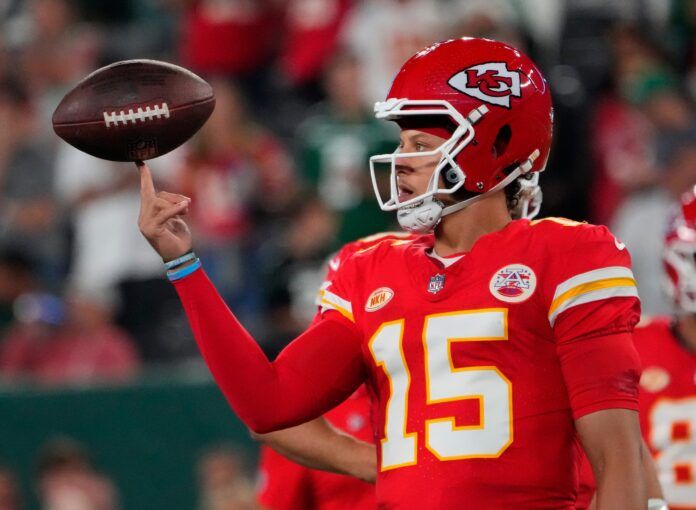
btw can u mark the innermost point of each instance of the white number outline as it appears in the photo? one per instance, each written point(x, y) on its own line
point(469, 369)
point(669, 485)
point(405, 436)
point(411, 439)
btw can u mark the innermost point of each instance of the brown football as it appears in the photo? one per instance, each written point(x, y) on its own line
point(134, 110)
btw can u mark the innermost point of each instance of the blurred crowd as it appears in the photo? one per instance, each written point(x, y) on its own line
point(278, 175)
point(67, 477)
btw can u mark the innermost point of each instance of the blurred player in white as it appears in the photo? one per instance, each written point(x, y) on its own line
point(667, 347)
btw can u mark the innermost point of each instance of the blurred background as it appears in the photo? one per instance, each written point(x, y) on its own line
point(104, 401)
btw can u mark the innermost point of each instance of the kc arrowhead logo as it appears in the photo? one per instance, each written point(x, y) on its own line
point(491, 82)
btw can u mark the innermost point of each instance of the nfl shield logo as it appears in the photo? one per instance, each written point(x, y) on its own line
point(436, 284)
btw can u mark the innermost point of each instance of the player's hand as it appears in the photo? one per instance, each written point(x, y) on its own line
point(161, 218)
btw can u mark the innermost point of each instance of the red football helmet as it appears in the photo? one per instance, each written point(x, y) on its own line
point(679, 255)
point(497, 109)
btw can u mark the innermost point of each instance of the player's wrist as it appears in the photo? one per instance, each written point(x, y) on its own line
point(182, 266)
point(657, 504)
point(173, 263)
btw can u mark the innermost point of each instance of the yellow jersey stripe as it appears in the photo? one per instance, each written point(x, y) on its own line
point(320, 293)
point(327, 305)
point(597, 294)
point(603, 273)
point(383, 235)
point(588, 287)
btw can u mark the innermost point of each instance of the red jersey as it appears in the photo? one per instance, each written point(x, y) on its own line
point(586, 486)
point(667, 413)
point(350, 249)
point(285, 485)
point(478, 369)
point(668, 409)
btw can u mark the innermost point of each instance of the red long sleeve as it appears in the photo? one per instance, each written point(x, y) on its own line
point(601, 372)
point(317, 371)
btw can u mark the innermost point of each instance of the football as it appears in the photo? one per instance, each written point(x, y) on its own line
point(134, 110)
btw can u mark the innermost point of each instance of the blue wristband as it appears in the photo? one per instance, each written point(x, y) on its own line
point(180, 260)
point(183, 272)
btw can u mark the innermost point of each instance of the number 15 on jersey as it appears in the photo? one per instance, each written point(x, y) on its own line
point(445, 383)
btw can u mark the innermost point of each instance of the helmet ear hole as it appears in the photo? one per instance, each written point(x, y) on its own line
point(502, 140)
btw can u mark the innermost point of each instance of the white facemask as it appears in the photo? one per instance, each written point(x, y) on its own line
point(420, 214)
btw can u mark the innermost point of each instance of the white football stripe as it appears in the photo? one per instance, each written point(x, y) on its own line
point(326, 305)
point(320, 293)
point(336, 300)
point(593, 295)
point(604, 273)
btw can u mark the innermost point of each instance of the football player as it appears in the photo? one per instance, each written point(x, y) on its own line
point(667, 349)
point(489, 347)
point(287, 484)
point(298, 484)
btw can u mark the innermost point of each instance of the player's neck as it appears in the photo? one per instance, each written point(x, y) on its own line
point(686, 326)
point(458, 231)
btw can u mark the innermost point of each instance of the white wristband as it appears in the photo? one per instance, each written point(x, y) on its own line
point(172, 264)
point(657, 504)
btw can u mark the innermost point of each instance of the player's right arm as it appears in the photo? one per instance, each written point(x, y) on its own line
point(316, 372)
point(611, 439)
point(592, 308)
point(652, 483)
point(319, 445)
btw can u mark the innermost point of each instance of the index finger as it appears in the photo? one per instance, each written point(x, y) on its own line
point(147, 187)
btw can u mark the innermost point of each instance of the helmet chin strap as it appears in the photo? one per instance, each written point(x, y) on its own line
point(522, 168)
point(424, 216)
